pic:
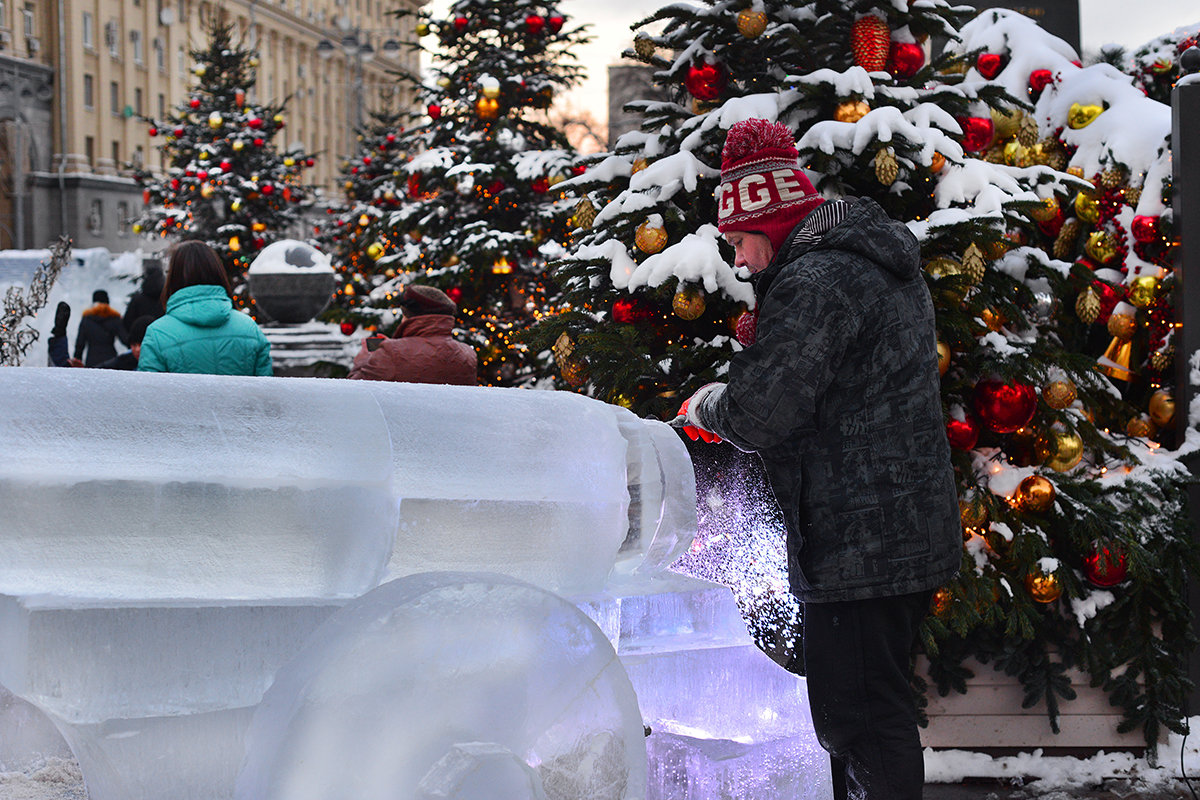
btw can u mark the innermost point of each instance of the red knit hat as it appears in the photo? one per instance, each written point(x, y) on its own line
point(762, 187)
point(417, 300)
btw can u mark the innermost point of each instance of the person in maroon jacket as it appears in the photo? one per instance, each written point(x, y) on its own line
point(423, 350)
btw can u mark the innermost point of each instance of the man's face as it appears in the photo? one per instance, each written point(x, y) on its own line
point(751, 250)
point(136, 349)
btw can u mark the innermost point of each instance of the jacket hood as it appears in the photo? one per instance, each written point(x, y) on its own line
point(426, 325)
point(869, 232)
point(204, 306)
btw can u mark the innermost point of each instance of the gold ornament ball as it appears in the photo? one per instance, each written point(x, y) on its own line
point(1035, 494)
point(853, 111)
point(1087, 207)
point(751, 23)
point(206, 190)
point(1140, 426)
point(1068, 451)
point(215, 121)
point(1042, 587)
point(941, 266)
point(1081, 115)
point(1101, 246)
point(199, 70)
point(992, 318)
point(443, 82)
point(203, 155)
point(1122, 326)
point(943, 351)
point(289, 162)
point(573, 371)
point(1162, 407)
point(137, 227)
point(237, 145)
point(650, 239)
point(375, 251)
point(1143, 291)
point(688, 302)
point(236, 204)
point(491, 92)
point(1015, 154)
point(638, 165)
point(487, 108)
point(1059, 394)
point(936, 162)
point(1047, 211)
point(422, 29)
point(278, 119)
point(258, 227)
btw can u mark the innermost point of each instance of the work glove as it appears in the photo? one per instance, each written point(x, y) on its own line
point(687, 419)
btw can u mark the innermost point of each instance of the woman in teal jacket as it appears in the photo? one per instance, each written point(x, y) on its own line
point(201, 333)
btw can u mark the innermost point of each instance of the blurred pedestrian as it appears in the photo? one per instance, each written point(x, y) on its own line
point(147, 300)
point(129, 359)
point(423, 351)
point(99, 329)
point(201, 333)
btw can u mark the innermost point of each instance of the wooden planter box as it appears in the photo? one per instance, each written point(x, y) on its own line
point(989, 718)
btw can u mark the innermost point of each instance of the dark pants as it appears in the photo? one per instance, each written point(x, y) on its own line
point(857, 658)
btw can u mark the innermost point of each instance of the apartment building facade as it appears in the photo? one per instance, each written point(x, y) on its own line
point(77, 77)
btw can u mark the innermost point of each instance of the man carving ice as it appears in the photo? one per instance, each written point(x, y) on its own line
point(839, 394)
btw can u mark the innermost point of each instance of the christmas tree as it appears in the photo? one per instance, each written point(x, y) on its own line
point(480, 213)
point(225, 183)
point(1075, 533)
point(1155, 65)
point(373, 185)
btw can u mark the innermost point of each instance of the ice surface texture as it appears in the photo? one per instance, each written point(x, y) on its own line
point(385, 695)
point(150, 486)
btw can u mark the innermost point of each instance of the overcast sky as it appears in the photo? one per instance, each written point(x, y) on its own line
point(1101, 21)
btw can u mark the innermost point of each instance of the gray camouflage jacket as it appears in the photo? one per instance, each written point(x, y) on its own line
point(840, 397)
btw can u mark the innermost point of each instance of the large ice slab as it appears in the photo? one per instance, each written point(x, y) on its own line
point(393, 683)
point(119, 484)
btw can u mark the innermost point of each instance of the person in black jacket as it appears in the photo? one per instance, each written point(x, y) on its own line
point(59, 354)
point(129, 359)
point(839, 394)
point(146, 301)
point(99, 328)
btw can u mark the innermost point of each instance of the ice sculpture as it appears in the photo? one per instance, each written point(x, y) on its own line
point(171, 542)
point(438, 661)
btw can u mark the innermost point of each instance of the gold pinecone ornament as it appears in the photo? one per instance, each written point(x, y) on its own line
point(643, 46)
point(572, 368)
point(585, 213)
point(1087, 305)
point(974, 264)
point(886, 168)
point(1064, 243)
point(1027, 131)
point(1161, 359)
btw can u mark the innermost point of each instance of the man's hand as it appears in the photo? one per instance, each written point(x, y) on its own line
point(688, 420)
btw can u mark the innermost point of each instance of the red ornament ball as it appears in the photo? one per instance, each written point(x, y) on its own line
point(906, 58)
point(154, 131)
point(962, 433)
point(308, 162)
point(366, 160)
point(202, 174)
point(1005, 407)
point(433, 110)
point(178, 133)
point(1144, 228)
point(746, 328)
point(348, 328)
point(706, 81)
point(226, 166)
point(455, 293)
point(534, 24)
point(391, 137)
point(255, 122)
point(1052, 226)
point(259, 243)
point(174, 183)
point(989, 64)
point(555, 23)
point(461, 24)
point(267, 189)
point(631, 310)
point(495, 188)
point(540, 186)
point(1105, 567)
point(1039, 79)
point(259, 142)
point(194, 103)
point(978, 133)
point(579, 169)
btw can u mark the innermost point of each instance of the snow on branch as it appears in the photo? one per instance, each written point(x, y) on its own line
point(16, 335)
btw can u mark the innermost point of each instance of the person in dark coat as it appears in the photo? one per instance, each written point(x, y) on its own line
point(147, 300)
point(129, 359)
point(423, 351)
point(59, 354)
point(99, 329)
point(839, 394)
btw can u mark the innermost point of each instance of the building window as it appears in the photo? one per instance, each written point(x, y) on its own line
point(116, 154)
point(112, 38)
point(139, 156)
point(160, 55)
point(137, 101)
point(114, 94)
point(162, 106)
point(89, 92)
point(122, 219)
point(89, 31)
point(28, 15)
point(135, 39)
point(89, 149)
point(95, 220)
point(181, 63)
